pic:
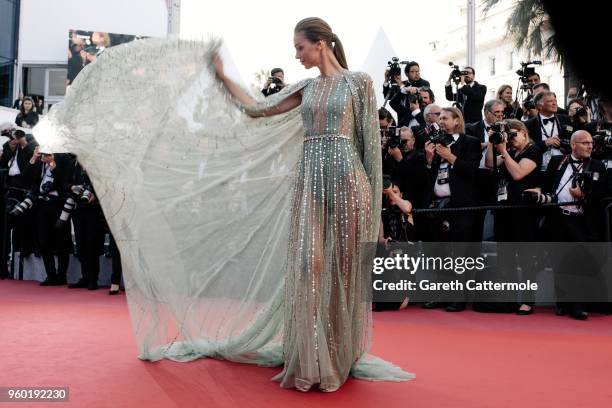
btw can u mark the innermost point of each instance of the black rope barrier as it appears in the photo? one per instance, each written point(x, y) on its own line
point(492, 207)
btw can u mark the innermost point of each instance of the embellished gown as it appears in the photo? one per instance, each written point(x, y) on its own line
point(239, 237)
point(327, 321)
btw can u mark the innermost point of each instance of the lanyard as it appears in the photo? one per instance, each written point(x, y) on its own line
point(552, 129)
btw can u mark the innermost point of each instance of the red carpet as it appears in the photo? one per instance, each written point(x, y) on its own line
point(52, 336)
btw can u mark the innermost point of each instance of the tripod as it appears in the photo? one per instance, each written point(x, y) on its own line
point(521, 87)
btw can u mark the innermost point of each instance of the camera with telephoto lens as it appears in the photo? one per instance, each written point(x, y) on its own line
point(533, 197)
point(394, 69)
point(581, 111)
point(529, 103)
point(80, 193)
point(441, 138)
point(456, 73)
point(393, 137)
point(413, 98)
point(24, 205)
point(12, 133)
point(500, 134)
point(585, 180)
point(526, 71)
point(387, 183)
point(276, 81)
point(602, 139)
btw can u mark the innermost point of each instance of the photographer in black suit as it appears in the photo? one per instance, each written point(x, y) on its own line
point(487, 186)
point(573, 177)
point(470, 95)
point(549, 130)
point(407, 101)
point(48, 173)
point(423, 132)
point(89, 224)
point(452, 161)
point(16, 154)
point(274, 83)
point(408, 166)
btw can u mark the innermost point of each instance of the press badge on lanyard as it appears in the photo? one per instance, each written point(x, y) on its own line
point(443, 174)
point(502, 190)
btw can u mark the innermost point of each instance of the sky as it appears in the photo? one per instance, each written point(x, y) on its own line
point(260, 34)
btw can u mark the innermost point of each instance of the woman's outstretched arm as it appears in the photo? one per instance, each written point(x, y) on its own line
point(251, 106)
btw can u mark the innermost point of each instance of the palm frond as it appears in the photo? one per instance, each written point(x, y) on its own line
point(529, 25)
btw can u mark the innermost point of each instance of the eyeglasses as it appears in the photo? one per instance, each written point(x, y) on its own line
point(434, 113)
point(585, 143)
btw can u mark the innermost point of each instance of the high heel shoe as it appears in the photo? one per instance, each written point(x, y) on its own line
point(522, 312)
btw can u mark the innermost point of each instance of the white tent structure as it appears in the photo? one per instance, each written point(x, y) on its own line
point(381, 50)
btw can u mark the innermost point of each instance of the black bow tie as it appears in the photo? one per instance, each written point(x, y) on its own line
point(549, 120)
point(578, 161)
point(487, 128)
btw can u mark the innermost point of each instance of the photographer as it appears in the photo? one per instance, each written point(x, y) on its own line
point(529, 109)
point(415, 116)
point(579, 114)
point(470, 94)
point(573, 177)
point(601, 131)
point(518, 170)
point(16, 154)
point(406, 103)
point(89, 224)
point(452, 161)
point(387, 130)
point(430, 128)
point(396, 225)
point(274, 83)
point(48, 173)
point(408, 166)
point(511, 108)
point(27, 116)
point(605, 123)
point(549, 128)
point(493, 114)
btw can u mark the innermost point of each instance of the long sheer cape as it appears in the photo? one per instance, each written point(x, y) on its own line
point(196, 194)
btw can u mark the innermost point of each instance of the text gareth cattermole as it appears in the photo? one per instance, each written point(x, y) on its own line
point(432, 263)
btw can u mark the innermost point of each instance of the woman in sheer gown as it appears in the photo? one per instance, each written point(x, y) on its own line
point(335, 207)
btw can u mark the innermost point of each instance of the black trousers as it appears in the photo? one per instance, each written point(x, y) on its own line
point(454, 227)
point(53, 240)
point(89, 237)
point(21, 226)
point(567, 228)
point(516, 225)
point(487, 193)
point(116, 262)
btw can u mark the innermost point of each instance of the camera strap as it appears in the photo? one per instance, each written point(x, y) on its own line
point(575, 170)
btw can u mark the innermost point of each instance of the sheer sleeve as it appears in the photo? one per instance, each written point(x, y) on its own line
point(368, 145)
point(271, 104)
